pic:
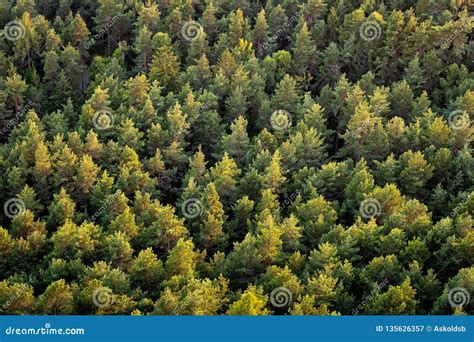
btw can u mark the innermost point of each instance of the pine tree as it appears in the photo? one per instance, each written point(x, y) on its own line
point(61, 210)
point(251, 303)
point(146, 270)
point(260, 34)
point(80, 36)
point(143, 48)
point(401, 98)
point(224, 175)
point(365, 135)
point(304, 51)
point(287, 96)
point(15, 87)
point(110, 17)
point(414, 74)
point(148, 16)
point(361, 184)
point(237, 143)
point(119, 251)
point(42, 168)
point(313, 10)
point(163, 229)
point(198, 47)
point(125, 223)
point(57, 299)
point(273, 177)
point(86, 176)
point(317, 217)
point(164, 66)
point(181, 259)
point(398, 300)
point(25, 47)
point(51, 69)
point(70, 59)
point(211, 234)
point(19, 298)
point(415, 171)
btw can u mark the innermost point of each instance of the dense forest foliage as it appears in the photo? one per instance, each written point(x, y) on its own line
point(180, 157)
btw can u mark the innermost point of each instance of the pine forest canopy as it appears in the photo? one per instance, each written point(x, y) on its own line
point(220, 157)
